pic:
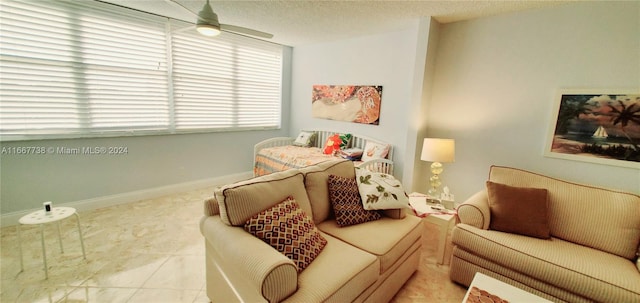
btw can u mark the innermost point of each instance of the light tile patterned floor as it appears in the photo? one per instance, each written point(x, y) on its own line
point(148, 251)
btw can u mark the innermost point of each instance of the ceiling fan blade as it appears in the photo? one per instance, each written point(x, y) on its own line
point(184, 29)
point(180, 6)
point(244, 30)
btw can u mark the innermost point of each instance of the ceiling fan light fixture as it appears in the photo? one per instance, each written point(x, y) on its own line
point(207, 23)
point(208, 30)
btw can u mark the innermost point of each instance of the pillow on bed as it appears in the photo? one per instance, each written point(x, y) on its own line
point(304, 139)
point(374, 150)
point(335, 143)
point(345, 140)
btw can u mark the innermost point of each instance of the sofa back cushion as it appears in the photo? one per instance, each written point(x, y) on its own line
point(316, 182)
point(240, 201)
point(604, 219)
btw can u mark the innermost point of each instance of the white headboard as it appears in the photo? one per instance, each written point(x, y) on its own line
point(356, 141)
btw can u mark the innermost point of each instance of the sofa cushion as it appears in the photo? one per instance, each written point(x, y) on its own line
point(315, 182)
point(240, 201)
point(339, 274)
point(289, 230)
point(345, 199)
point(608, 219)
point(518, 210)
point(386, 238)
point(588, 272)
point(380, 190)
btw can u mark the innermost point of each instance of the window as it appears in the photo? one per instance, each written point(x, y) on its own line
point(86, 69)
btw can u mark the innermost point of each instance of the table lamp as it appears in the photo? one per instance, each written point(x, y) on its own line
point(437, 151)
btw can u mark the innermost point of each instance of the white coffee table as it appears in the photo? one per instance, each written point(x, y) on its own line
point(485, 286)
point(41, 218)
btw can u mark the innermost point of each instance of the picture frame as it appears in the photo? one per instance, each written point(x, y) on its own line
point(350, 103)
point(596, 125)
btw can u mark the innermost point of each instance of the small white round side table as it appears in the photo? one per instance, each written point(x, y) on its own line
point(41, 218)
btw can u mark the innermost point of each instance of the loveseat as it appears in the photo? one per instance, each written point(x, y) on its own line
point(365, 262)
point(559, 240)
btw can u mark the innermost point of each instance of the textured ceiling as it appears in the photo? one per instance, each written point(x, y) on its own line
point(296, 22)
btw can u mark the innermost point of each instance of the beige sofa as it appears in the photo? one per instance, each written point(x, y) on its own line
point(367, 262)
point(594, 242)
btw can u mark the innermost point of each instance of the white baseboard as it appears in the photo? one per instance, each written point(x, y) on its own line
point(106, 201)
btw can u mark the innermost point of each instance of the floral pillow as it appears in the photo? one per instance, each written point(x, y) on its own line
point(374, 150)
point(304, 139)
point(380, 190)
point(335, 143)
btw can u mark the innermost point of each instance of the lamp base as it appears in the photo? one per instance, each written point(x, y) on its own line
point(432, 198)
point(434, 191)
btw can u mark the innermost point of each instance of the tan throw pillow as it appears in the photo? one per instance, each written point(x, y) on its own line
point(347, 206)
point(518, 210)
point(288, 229)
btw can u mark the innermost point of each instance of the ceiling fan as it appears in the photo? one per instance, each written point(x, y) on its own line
point(207, 23)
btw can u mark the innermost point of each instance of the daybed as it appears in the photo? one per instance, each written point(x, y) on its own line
point(282, 153)
point(365, 262)
point(559, 240)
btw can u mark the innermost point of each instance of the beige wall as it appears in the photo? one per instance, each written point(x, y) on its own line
point(496, 79)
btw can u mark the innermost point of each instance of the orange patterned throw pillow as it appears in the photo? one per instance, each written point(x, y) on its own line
point(332, 144)
point(335, 143)
point(288, 229)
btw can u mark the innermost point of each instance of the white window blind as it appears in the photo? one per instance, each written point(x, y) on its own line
point(242, 75)
point(83, 68)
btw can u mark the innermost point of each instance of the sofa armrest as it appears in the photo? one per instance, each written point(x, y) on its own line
point(475, 211)
point(248, 262)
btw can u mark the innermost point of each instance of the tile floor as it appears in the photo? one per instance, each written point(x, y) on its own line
point(148, 251)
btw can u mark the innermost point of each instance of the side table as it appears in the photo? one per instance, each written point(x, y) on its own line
point(444, 220)
point(41, 218)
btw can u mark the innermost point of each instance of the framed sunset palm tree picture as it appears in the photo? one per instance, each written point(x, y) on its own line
point(599, 126)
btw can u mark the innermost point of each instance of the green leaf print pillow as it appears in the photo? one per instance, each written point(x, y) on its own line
point(380, 190)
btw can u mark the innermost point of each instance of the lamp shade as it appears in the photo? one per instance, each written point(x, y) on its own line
point(438, 150)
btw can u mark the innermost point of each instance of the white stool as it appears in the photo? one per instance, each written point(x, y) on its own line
point(40, 218)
